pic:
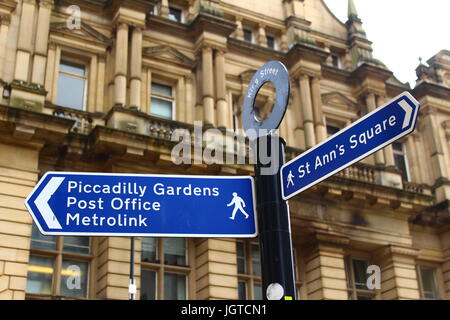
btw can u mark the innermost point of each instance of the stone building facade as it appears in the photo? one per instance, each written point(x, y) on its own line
point(99, 86)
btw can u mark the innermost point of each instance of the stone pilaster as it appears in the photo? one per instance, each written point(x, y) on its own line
point(296, 124)
point(371, 105)
point(216, 269)
point(113, 267)
point(398, 272)
point(308, 118)
point(388, 152)
point(100, 85)
point(221, 90)
point(319, 126)
point(18, 176)
point(24, 44)
point(136, 68)
point(445, 242)
point(4, 28)
point(121, 63)
point(208, 85)
point(435, 147)
point(262, 40)
point(325, 268)
point(41, 43)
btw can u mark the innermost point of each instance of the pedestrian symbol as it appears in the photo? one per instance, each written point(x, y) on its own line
point(289, 178)
point(239, 204)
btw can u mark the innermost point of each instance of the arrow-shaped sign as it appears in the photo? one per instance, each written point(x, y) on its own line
point(102, 204)
point(42, 199)
point(369, 134)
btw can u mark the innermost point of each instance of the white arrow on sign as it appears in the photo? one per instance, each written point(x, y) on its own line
point(409, 110)
point(41, 202)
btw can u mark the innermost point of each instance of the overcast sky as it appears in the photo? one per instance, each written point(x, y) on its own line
point(402, 30)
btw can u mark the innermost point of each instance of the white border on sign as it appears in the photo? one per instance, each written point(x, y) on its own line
point(175, 235)
point(402, 134)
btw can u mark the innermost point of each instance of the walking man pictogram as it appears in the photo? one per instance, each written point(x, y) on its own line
point(289, 177)
point(239, 204)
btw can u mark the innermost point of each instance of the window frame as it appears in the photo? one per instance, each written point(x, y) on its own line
point(172, 99)
point(59, 255)
point(437, 280)
point(71, 59)
point(354, 292)
point(161, 268)
point(275, 44)
point(403, 154)
point(249, 31)
point(182, 18)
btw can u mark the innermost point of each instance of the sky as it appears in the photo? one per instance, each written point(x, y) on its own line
point(402, 30)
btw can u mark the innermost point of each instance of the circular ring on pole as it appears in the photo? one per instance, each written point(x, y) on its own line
point(275, 72)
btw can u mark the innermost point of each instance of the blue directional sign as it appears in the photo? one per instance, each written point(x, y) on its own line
point(374, 131)
point(100, 204)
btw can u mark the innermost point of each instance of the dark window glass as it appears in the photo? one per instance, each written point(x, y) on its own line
point(270, 42)
point(76, 244)
point(242, 290)
point(240, 248)
point(40, 275)
point(400, 159)
point(148, 253)
point(248, 36)
point(257, 289)
point(335, 61)
point(148, 285)
point(175, 251)
point(38, 240)
point(74, 279)
point(174, 286)
point(175, 14)
point(429, 289)
point(360, 273)
point(256, 263)
point(332, 130)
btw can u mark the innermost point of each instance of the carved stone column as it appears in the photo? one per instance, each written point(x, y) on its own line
point(308, 119)
point(41, 43)
point(320, 129)
point(4, 27)
point(121, 63)
point(222, 106)
point(208, 82)
point(398, 272)
point(262, 40)
point(371, 105)
point(24, 45)
point(325, 268)
point(136, 68)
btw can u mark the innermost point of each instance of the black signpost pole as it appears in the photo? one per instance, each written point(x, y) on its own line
point(273, 221)
point(132, 285)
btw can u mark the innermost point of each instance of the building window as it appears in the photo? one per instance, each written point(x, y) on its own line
point(249, 270)
point(58, 266)
point(162, 101)
point(165, 269)
point(335, 61)
point(427, 282)
point(175, 14)
point(248, 35)
point(271, 42)
point(331, 130)
point(400, 159)
point(72, 84)
point(357, 279)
